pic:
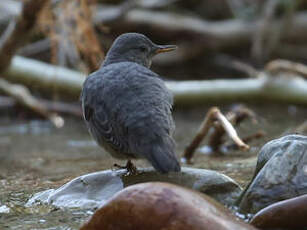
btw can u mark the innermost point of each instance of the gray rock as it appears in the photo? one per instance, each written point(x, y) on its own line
point(87, 191)
point(92, 190)
point(281, 173)
point(274, 146)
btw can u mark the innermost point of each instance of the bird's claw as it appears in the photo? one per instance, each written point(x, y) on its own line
point(130, 167)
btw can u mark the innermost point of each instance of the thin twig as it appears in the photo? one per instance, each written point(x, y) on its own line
point(233, 63)
point(231, 131)
point(259, 134)
point(35, 47)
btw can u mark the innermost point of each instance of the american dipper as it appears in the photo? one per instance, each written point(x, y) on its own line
point(127, 107)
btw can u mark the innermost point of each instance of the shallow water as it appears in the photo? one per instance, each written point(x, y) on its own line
point(34, 156)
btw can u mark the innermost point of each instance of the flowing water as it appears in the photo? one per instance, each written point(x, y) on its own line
point(34, 156)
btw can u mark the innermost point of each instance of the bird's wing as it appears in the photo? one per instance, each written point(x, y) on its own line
point(131, 110)
point(149, 123)
point(98, 117)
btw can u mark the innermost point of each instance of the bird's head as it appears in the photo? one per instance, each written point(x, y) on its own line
point(135, 47)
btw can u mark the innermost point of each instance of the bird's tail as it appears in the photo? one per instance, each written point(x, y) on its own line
point(161, 154)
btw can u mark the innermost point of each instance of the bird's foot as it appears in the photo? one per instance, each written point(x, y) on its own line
point(130, 167)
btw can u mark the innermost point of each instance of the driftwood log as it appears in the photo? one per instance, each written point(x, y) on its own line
point(264, 88)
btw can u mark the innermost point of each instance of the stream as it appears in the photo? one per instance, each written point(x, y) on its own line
point(35, 156)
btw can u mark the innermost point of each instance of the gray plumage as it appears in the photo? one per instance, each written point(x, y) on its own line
point(127, 107)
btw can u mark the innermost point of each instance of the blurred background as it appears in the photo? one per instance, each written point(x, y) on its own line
point(230, 52)
point(211, 34)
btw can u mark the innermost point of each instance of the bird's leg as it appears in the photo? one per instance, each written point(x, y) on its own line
point(131, 168)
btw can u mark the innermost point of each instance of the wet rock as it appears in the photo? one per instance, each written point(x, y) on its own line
point(287, 214)
point(282, 173)
point(92, 190)
point(87, 191)
point(155, 206)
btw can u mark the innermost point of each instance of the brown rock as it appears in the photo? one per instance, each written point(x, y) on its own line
point(287, 214)
point(156, 205)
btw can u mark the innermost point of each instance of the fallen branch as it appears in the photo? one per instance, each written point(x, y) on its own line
point(230, 62)
point(259, 134)
point(263, 89)
point(51, 106)
point(8, 10)
point(35, 47)
point(17, 33)
point(235, 116)
point(201, 133)
point(47, 77)
point(23, 96)
point(214, 35)
point(229, 129)
point(278, 66)
point(214, 115)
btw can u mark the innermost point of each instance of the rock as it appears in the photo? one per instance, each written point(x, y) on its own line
point(282, 166)
point(274, 146)
point(287, 214)
point(92, 190)
point(155, 206)
point(88, 191)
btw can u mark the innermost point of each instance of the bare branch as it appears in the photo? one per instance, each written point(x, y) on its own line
point(223, 126)
point(201, 133)
point(214, 35)
point(52, 106)
point(23, 96)
point(46, 77)
point(18, 31)
point(277, 66)
point(231, 131)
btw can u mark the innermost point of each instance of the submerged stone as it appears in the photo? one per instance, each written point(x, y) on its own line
point(157, 206)
point(281, 173)
point(92, 190)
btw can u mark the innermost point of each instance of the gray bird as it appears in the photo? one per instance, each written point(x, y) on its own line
point(127, 107)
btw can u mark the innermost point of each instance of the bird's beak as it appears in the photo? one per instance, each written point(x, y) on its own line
point(165, 48)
